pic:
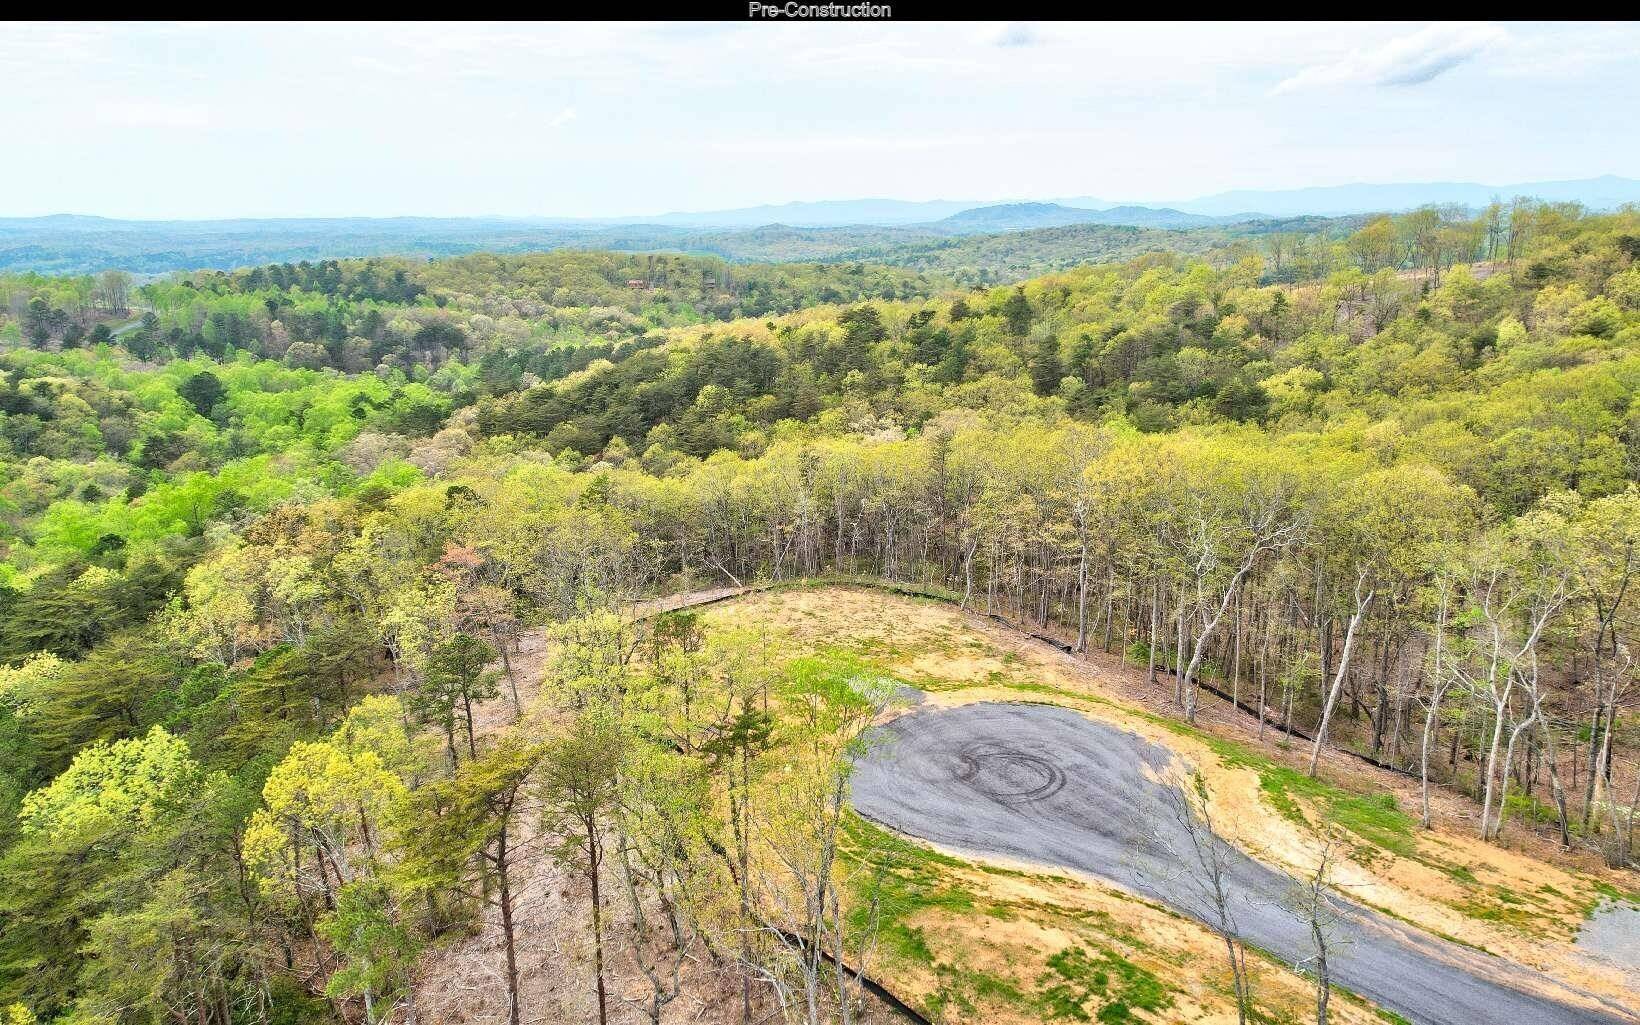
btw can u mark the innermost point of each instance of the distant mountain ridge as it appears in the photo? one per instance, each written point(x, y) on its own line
point(77, 243)
point(822, 213)
point(1011, 244)
point(1602, 193)
point(1017, 216)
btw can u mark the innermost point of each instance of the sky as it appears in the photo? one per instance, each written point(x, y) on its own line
point(586, 120)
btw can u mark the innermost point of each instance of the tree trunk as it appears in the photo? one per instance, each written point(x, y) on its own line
point(514, 1017)
point(1508, 760)
point(1431, 713)
point(1155, 626)
point(1361, 607)
point(1082, 600)
point(1323, 982)
point(594, 857)
point(512, 679)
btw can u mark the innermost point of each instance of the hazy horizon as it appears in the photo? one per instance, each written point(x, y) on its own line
point(599, 121)
point(1498, 191)
point(1501, 189)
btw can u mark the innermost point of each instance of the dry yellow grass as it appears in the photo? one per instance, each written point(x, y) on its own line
point(1511, 903)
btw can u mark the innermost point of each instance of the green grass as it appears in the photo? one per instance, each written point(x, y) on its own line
point(1463, 874)
point(1087, 982)
point(1077, 978)
point(1538, 812)
point(1375, 819)
point(1605, 893)
point(908, 880)
point(1612, 893)
point(1505, 909)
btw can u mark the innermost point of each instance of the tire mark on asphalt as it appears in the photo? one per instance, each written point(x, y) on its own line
point(1046, 785)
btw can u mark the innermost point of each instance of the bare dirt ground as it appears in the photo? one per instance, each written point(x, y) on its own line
point(1045, 784)
point(461, 980)
point(962, 658)
point(1525, 902)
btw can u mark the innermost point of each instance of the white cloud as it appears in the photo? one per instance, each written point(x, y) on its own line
point(1017, 34)
point(1565, 51)
point(377, 66)
point(885, 145)
point(911, 109)
point(153, 114)
point(1408, 60)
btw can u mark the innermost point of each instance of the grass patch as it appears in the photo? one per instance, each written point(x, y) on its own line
point(907, 880)
point(1375, 819)
point(1462, 874)
point(1529, 912)
point(1502, 911)
point(1077, 978)
point(1090, 981)
point(1616, 895)
point(994, 987)
point(1605, 893)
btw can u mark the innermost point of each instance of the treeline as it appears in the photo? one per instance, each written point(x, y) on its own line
point(359, 315)
point(1314, 576)
point(268, 801)
point(1003, 257)
point(40, 309)
point(1006, 257)
point(1515, 383)
point(254, 606)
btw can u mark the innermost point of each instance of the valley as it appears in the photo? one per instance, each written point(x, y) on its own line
point(1230, 629)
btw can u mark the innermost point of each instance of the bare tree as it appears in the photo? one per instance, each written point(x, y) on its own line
point(1203, 861)
point(114, 290)
point(662, 844)
point(1620, 849)
point(580, 783)
point(1311, 899)
point(1363, 603)
point(1268, 534)
point(1503, 597)
point(802, 829)
point(1535, 694)
point(1439, 682)
point(1225, 521)
point(468, 838)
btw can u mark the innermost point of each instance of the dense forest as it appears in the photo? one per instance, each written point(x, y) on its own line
point(271, 539)
point(963, 252)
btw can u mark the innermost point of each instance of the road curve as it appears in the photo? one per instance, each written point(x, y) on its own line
point(1046, 785)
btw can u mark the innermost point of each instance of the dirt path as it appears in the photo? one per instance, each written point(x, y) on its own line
point(1046, 785)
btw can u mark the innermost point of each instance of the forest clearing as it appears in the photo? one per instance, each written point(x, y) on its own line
point(963, 660)
point(1027, 616)
point(971, 926)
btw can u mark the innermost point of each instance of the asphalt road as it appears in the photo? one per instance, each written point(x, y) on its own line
point(1043, 784)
